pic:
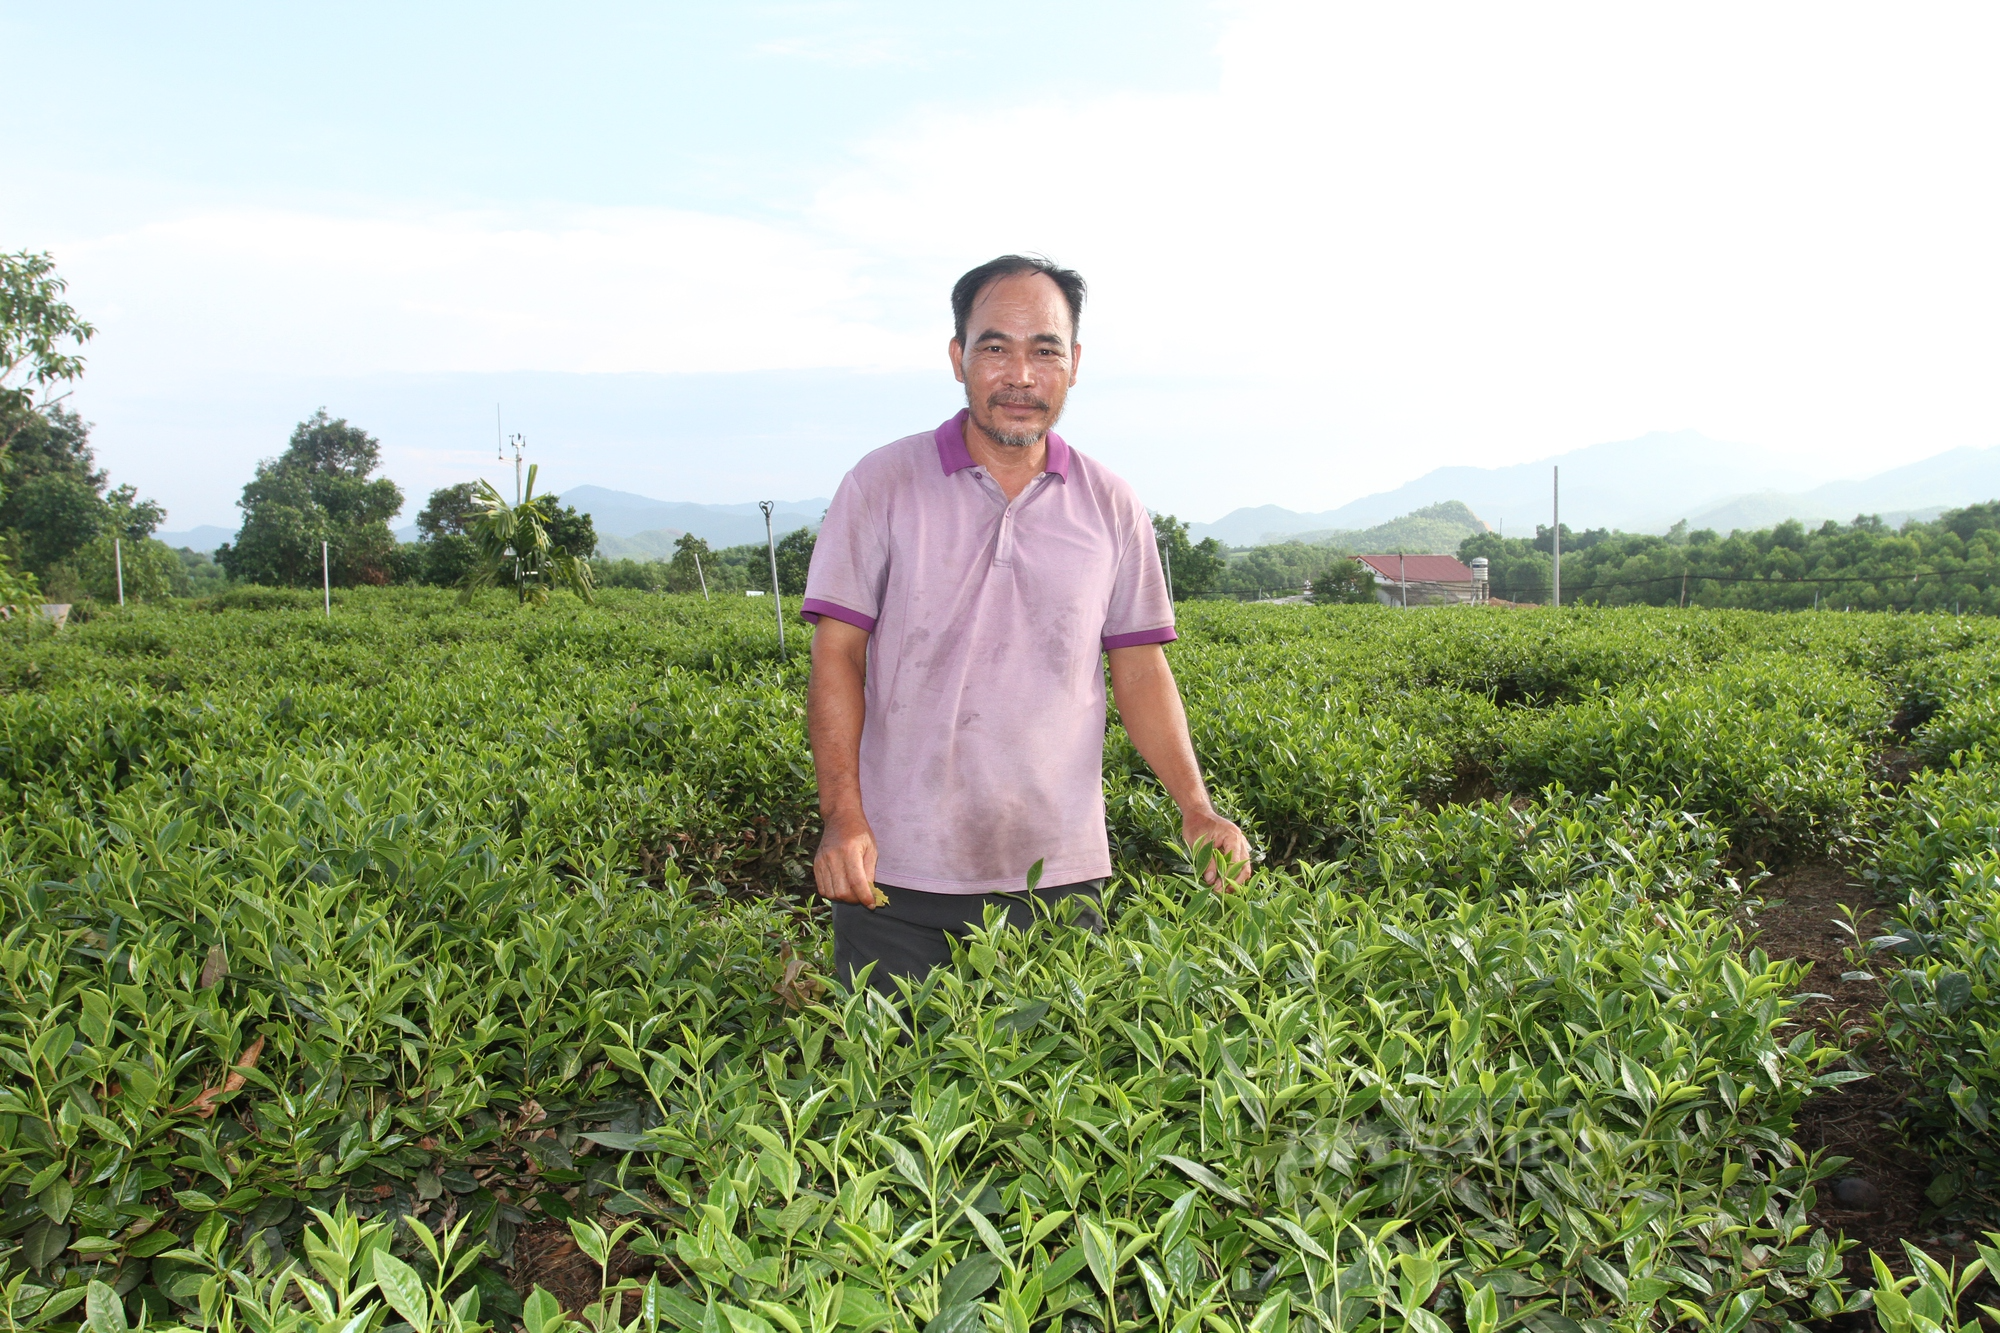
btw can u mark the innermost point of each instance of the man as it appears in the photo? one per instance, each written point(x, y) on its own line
point(964, 584)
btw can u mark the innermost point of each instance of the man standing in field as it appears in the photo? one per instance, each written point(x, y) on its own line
point(964, 585)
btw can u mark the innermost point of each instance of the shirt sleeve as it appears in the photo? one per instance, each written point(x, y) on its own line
point(850, 561)
point(1140, 611)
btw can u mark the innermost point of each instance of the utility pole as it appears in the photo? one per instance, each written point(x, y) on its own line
point(326, 579)
point(118, 561)
point(698, 574)
point(1556, 495)
point(777, 599)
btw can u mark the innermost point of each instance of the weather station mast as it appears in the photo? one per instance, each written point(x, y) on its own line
point(500, 443)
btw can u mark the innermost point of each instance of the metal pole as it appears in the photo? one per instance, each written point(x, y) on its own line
point(1403, 578)
point(777, 598)
point(326, 580)
point(698, 574)
point(118, 562)
point(1557, 496)
point(1167, 563)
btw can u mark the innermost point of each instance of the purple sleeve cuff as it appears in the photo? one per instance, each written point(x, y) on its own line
point(1164, 634)
point(813, 608)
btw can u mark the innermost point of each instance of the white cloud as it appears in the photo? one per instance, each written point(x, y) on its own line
point(600, 290)
point(1491, 232)
point(1394, 236)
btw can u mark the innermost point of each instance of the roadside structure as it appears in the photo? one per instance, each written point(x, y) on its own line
point(1422, 580)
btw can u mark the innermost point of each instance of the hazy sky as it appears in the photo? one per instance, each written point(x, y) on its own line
point(1330, 246)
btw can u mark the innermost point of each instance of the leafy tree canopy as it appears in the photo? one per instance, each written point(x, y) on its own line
point(795, 553)
point(54, 509)
point(447, 511)
point(693, 564)
point(319, 490)
point(1344, 582)
point(41, 337)
point(1953, 562)
point(1194, 567)
point(516, 545)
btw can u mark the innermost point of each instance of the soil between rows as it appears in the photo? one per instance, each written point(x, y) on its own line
point(1878, 1198)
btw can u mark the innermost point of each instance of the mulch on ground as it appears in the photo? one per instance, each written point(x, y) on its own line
point(1878, 1199)
point(546, 1256)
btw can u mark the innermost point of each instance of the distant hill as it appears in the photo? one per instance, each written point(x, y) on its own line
point(204, 539)
point(644, 528)
point(1920, 490)
point(655, 545)
point(1646, 485)
point(1641, 485)
point(623, 514)
point(1433, 530)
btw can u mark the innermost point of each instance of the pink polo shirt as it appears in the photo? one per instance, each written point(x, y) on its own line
point(982, 750)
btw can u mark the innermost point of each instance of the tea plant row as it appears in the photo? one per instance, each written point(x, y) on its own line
point(446, 919)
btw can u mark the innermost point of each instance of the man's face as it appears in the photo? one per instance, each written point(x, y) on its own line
point(1018, 360)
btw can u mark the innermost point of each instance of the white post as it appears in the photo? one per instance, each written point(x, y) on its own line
point(118, 562)
point(698, 574)
point(326, 579)
point(777, 598)
point(1557, 497)
point(1403, 578)
point(1167, 563)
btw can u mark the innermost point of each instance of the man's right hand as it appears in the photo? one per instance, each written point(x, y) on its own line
point(844, 868)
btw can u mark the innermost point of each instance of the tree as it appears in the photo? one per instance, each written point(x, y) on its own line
point(795, 553)
point(448, 510)
point(39, 337)
point(1345, 582)
point(443, 553)
point(1517, 570)
point(693, 564)
point(51, 492)
point(515, 548)
point(1194, 567)
point(318, 490)
point(570, 531)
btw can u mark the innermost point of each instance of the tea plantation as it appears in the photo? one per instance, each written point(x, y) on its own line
point(339, 954)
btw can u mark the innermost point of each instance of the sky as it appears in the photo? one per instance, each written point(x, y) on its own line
point(703, 252)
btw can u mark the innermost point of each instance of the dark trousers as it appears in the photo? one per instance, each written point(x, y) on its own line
point(913, 933)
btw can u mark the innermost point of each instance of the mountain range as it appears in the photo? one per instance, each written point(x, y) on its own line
point(1640, 485)
point(1645, 485)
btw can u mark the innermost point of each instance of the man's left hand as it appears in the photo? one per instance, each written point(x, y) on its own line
point(1205, 828)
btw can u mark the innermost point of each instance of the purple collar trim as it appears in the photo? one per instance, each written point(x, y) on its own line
point(953, 456)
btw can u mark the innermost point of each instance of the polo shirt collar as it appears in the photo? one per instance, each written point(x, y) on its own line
point(953, 456)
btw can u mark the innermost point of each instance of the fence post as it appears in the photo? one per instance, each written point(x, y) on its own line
point(777, 598)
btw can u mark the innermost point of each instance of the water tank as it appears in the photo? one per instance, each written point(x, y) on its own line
point(1479, 569)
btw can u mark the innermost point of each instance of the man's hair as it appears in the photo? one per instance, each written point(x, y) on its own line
point(967, 289)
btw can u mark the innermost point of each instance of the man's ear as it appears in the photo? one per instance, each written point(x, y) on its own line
point(1075, 360)
point(956, 351)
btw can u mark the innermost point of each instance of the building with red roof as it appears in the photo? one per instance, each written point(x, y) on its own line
point(1421, 580)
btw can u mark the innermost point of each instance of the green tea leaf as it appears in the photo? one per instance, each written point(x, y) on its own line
point(1205, 1178)
point(104, 1311)
point(403, 1290)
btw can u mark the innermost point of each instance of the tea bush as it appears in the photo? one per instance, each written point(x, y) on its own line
point(466, 919)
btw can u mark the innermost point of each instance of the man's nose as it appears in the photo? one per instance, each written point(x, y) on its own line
point(1021, 370)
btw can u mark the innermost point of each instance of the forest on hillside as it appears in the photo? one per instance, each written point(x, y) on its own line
point(1865, 565)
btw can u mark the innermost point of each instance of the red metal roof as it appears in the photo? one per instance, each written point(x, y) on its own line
point(1418, 568)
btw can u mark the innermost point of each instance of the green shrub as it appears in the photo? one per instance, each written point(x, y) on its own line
point(1773, 748)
